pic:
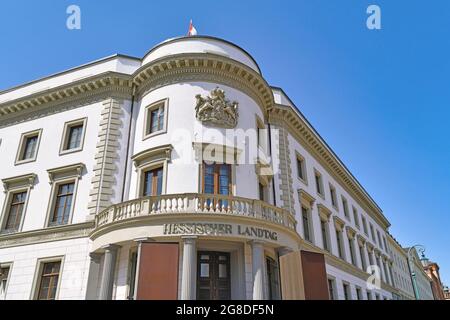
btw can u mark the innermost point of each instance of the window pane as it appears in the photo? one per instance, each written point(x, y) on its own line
point(222, 270)
point(74, 139)
point(63, 204)
point(204, 270)
point(15, 212)
point(30, 147)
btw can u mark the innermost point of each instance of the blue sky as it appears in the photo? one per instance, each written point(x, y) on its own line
point(381, 99)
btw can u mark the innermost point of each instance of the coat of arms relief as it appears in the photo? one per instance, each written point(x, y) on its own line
point(216, 110)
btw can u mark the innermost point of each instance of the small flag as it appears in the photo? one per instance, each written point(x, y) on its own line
point(192, 31)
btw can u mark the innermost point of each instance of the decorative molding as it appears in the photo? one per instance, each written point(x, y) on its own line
point(305, 198)
point(324, 212)
point(339, 223)
point(307, 136)
point(163, 152)
point(73, 170)
point(66, 232)
point(216, 152)
point(67, 96)
point(106, 156)
point(206, 67)
point(350, 232)
point(285, 174)
point(216, 110)
point(26, 180)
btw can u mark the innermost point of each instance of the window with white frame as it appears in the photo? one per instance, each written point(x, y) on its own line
point(17, 191)
point(333, 196)
point(73, 136)
point(155, 121)
point(301, 168)
point(28, 146)
point(346, 289)
point(306, 224)
point(345, 207)
point(364, 223)
point(151, 167)
point(319, 183)
point(358, 293)
point(64, 181)
point(47, 279)
point(5, 271)
point(355, 217)
point(332, 288)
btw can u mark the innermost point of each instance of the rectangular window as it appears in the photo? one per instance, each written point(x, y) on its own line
point(355, 217)
point(363, 258)
point(369, 295)
point(372, 233)
point(324, 228)
point(75, 133)
point(331, 289)
point(339, 244)
point(319, 183)
point(153, 182)
point(345, 207)
point(73, 136)
point(15, 212)
point(306, 224)
point(364, 223)
point(377, 296)
point(379, 239)
point(28, 146)
point(346, 288)
point(385, 245)
point(63, 204)
point(4, 274)
point(358, 293)
point(352, 251)
point(301, 168)
point(217, 178)
point(333, 196)
point(48, 280)
point(155, 118)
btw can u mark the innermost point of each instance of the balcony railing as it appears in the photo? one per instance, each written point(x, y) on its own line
point(194, 203)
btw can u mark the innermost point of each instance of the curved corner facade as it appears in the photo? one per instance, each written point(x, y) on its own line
point(181, 175)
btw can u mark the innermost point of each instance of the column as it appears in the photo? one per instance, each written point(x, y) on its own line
point(258, 269)
point(189, 272)
point(94, 270)
point(366, 256)
point(109, 264)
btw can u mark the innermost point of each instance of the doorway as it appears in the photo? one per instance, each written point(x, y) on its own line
point(213, 275)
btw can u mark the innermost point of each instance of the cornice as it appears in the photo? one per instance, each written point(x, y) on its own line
point(72, 231)
point(206, 67)
point(302, 131)
point(81, 92)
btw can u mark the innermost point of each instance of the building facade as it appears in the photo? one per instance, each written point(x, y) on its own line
point(432, 270)
point(400, 271)
point(422, 282)
point(179, 175)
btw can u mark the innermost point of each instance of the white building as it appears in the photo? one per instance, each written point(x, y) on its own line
point(400, 271)
point(122, 178)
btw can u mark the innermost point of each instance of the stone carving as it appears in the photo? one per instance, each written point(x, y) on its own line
point(217, 110)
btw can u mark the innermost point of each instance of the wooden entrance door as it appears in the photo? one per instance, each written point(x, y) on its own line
point(213, 275)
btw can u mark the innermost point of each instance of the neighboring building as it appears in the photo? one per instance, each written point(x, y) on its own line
point(432, 270)
point(121, 181)
point(400, 271)
point(446, 293)
point(423, 282)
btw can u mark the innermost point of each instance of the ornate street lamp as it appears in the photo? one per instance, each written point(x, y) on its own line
point(419, 248)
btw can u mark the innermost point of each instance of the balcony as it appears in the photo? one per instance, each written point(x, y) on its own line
point(195, 204)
